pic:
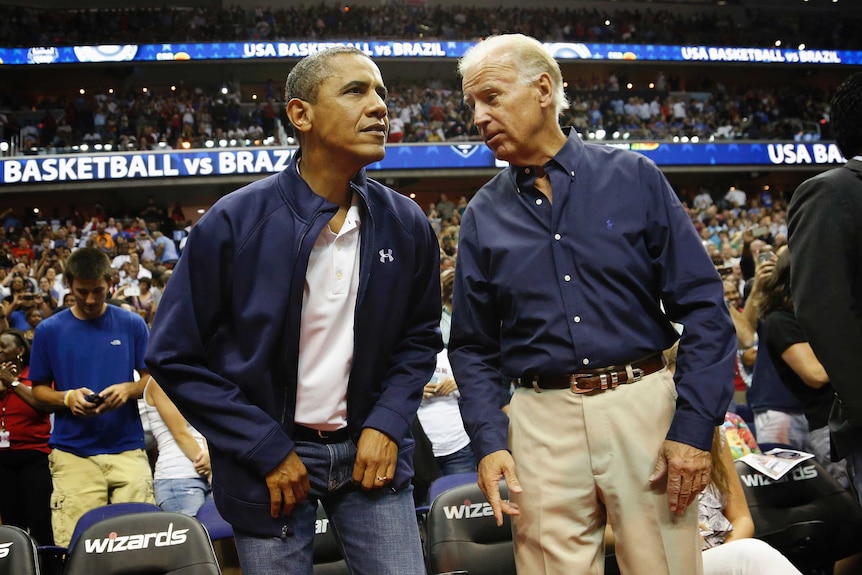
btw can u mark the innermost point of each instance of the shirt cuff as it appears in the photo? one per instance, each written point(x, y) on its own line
point(692, 429)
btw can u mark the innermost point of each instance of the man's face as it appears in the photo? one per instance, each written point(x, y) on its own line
point(506, 112)
point(89, 297)
point(349, 122)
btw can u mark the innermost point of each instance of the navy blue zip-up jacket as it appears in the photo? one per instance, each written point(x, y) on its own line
point(225, 342)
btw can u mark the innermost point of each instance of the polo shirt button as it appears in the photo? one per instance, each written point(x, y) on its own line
point(538, 201)
point(557, 237)
point(585, 361)
point(577, 319)
point(567, 277)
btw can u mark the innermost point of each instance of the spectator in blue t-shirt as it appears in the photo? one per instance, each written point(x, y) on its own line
point(90, 352)
point(166, 249)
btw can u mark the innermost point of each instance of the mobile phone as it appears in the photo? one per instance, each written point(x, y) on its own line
point(759, 231)
point(94, 398)
point(764, 257)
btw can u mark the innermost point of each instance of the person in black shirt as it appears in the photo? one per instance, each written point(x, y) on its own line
point(797, 366)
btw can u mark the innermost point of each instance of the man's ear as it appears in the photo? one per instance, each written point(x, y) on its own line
point(300, 114)
point(546, 90)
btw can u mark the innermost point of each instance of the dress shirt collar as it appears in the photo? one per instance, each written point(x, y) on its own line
point(567, 160)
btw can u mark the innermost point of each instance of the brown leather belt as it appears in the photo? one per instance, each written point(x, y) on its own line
point(596, 380)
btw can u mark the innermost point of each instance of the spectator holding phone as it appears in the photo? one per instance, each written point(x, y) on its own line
point(90, 352)
point(21, 303)
point(145, 246)
point(798, 368)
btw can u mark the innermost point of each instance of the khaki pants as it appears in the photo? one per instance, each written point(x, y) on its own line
point(584, 460)
point(84, 483)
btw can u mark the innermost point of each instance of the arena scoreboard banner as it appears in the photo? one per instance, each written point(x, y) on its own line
point(84, 167)
point(46, 55)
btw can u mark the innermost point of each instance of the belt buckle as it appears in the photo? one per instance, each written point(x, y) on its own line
point(578, 387)
point(608, 380)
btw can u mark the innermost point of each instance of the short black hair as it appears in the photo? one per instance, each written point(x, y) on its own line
point(846, 116)
point(309, 73)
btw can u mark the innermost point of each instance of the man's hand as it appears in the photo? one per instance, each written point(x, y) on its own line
point(447, 387)
point(493, 467)
point(115, 396)
point(78, 405)
point(687, 470)
point(376, 456)
point(288, 485)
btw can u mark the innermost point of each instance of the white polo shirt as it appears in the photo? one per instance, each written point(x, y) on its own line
point(326, 329)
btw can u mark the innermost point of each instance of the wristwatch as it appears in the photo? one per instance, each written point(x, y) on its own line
point(14, 384)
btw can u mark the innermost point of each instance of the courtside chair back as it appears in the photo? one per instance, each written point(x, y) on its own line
point(158, 542)
point(807, 514)
point(462, 534)
point(18, 555)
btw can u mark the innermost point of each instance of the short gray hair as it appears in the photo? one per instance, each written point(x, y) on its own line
point(306, 77)
point(526, 55)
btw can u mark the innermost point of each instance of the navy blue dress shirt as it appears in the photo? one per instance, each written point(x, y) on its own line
point(589, 280)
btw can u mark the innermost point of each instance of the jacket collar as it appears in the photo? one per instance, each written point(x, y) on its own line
point(297, 194)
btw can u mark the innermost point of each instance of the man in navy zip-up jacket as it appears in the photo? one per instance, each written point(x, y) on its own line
point(298, 330)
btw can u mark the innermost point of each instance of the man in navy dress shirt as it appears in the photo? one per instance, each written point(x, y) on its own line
point(572, 264)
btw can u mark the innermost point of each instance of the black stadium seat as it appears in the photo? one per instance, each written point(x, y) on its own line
point(152, 542)
point(806, 514)
point(18, 554)
point(462, 534)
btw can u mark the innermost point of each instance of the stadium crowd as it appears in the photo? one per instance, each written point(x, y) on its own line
point(26, 26)
point(604, 107)
point(601, 109)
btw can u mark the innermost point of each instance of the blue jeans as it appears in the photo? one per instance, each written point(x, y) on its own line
point(182, 495)
point(377, 530)
point(462, 461)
